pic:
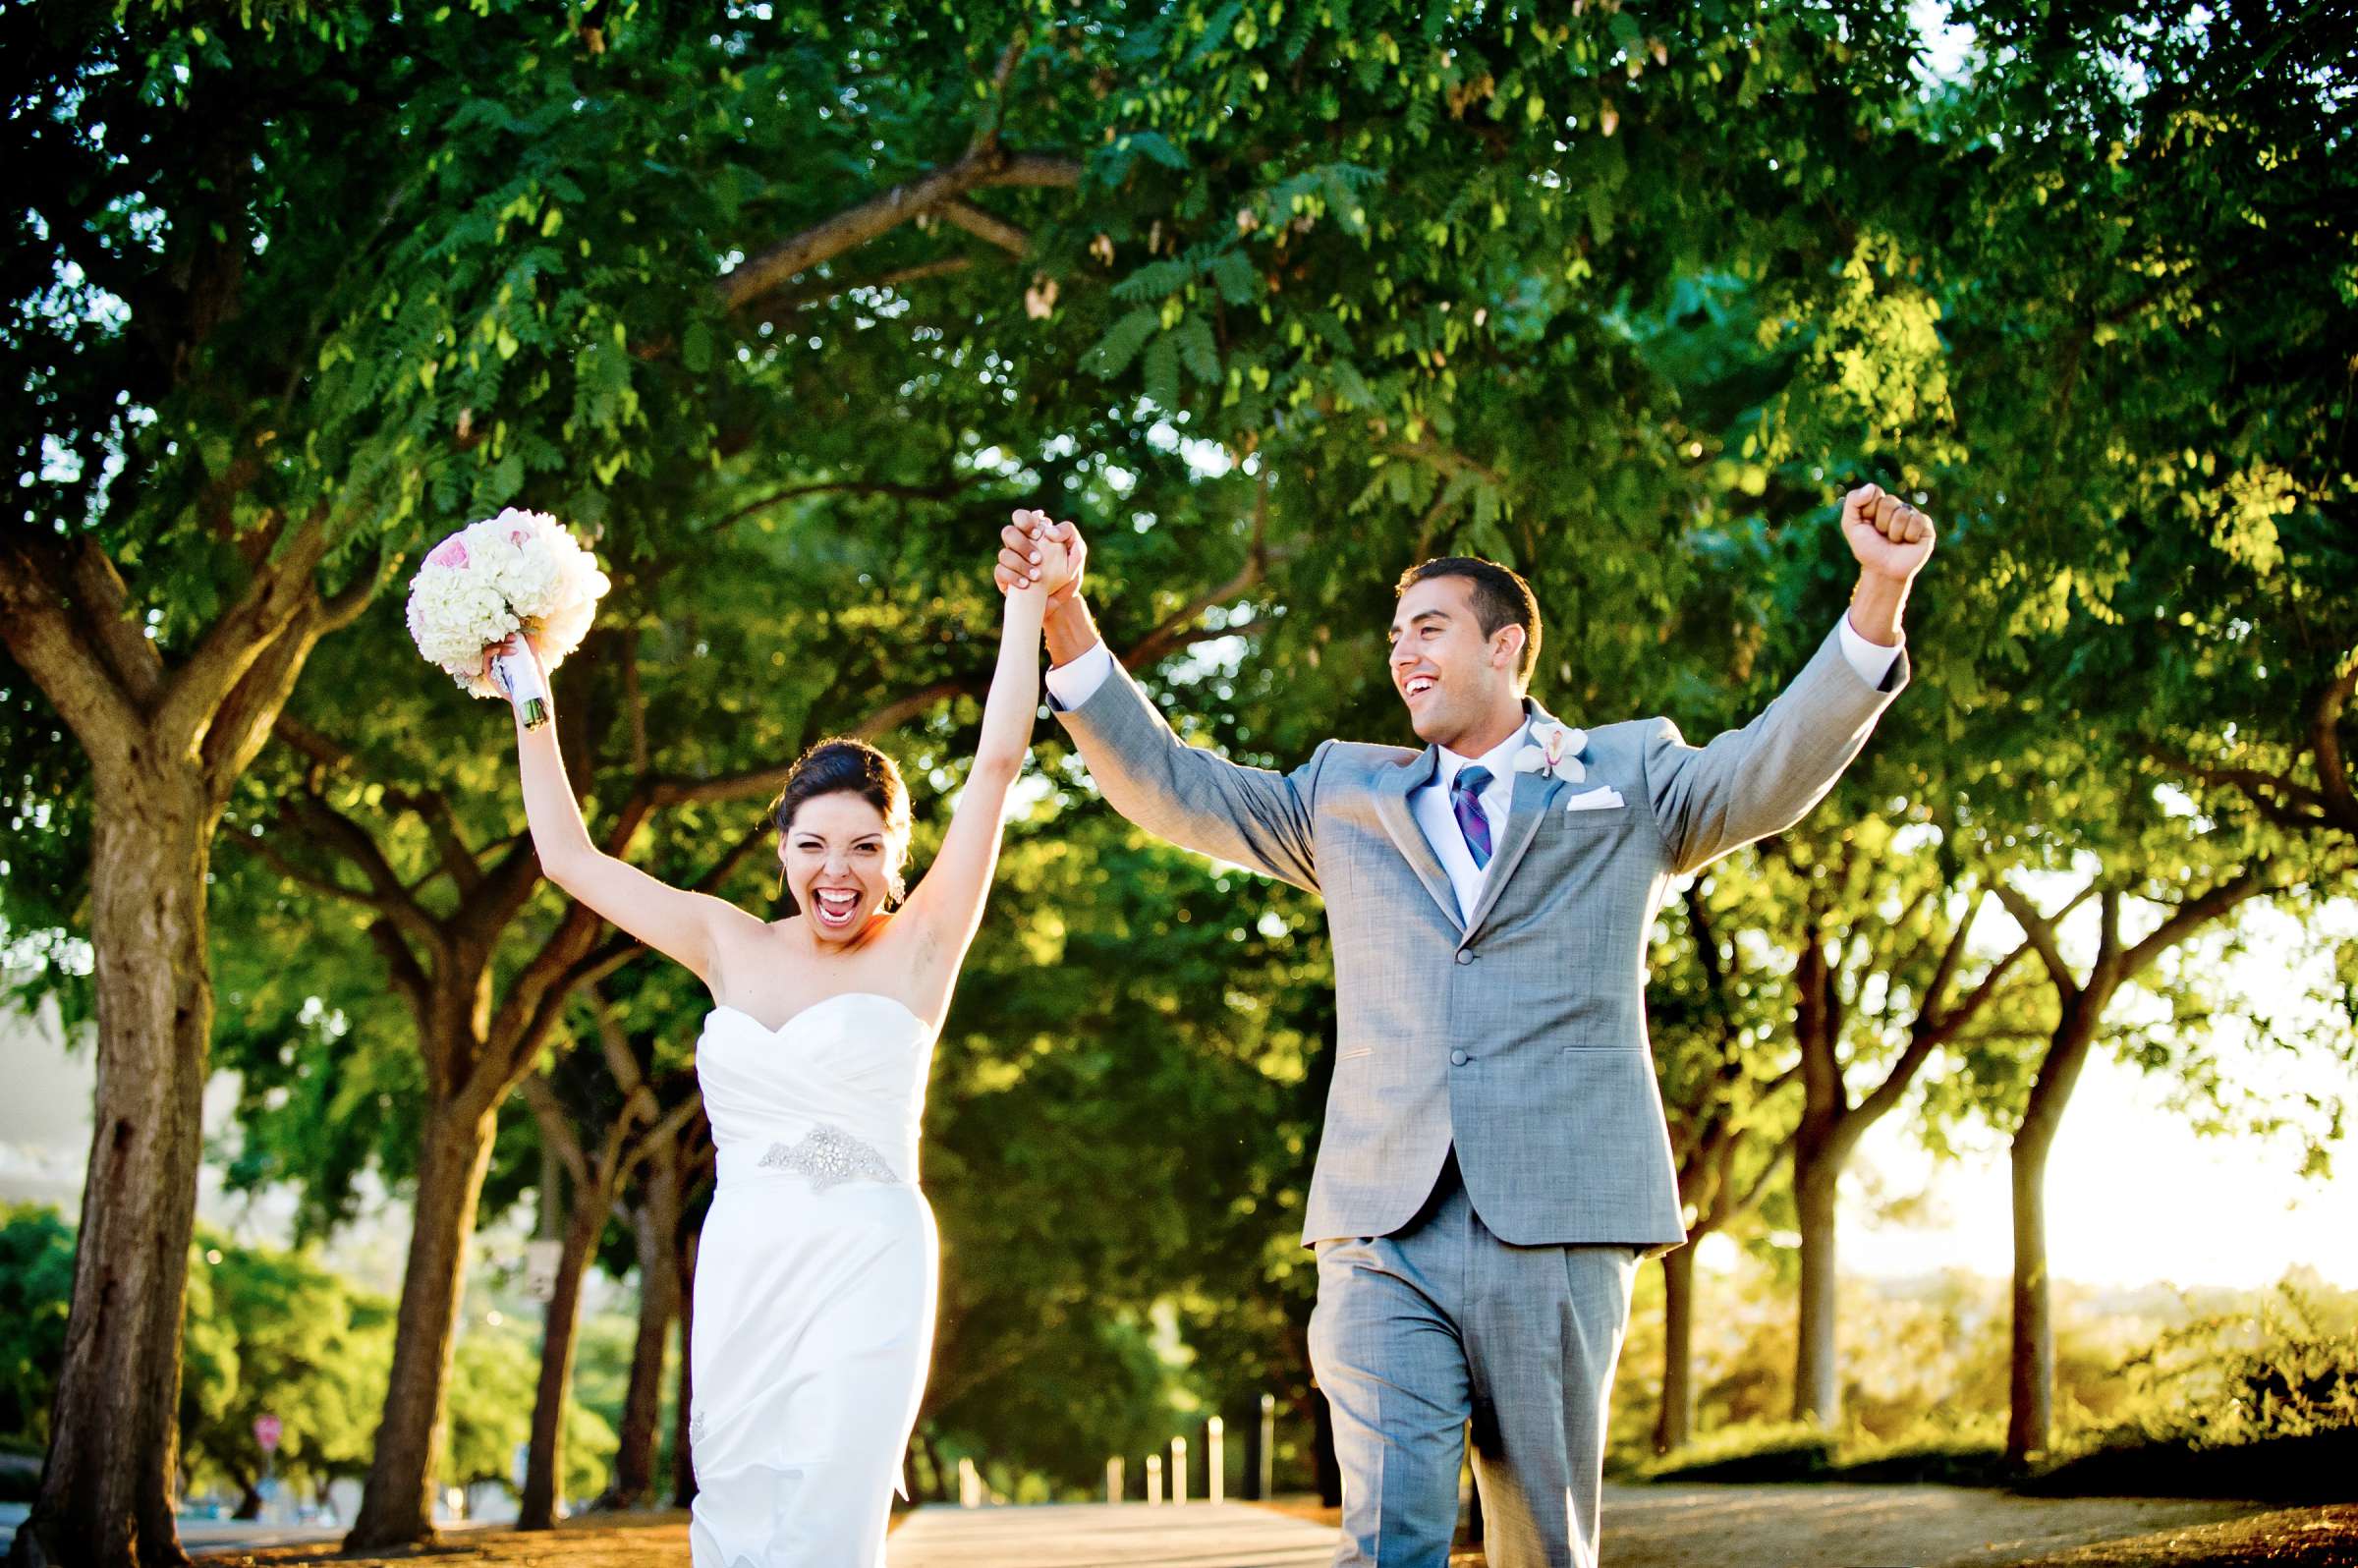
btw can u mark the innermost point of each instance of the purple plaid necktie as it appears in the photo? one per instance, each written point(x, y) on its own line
point(1465, 800)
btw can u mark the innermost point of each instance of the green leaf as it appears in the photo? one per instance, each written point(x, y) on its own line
point(696, 347)
point(1232, 272)
point(1120, 345)
point(1196, 348)
point(1154, 144)
point(1162, 372)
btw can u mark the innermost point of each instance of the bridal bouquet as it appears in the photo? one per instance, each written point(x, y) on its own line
point(517, 572)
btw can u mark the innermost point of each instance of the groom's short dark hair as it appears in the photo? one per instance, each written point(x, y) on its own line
point(1501, 599)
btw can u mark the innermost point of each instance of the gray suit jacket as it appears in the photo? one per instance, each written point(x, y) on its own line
point(1517, 1037)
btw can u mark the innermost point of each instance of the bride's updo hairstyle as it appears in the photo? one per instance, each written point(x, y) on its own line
point(845, 766)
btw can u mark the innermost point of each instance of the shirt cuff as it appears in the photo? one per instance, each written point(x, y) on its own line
point(1072, 685)
point(1871, 660)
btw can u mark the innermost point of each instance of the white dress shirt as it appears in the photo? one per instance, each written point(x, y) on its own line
point(1074, 684)
point(1435, 815)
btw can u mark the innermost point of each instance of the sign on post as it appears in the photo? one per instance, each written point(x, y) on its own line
point(541, 1261)
point(267, 1431)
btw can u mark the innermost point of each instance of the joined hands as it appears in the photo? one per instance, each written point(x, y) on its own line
point(1037, 551)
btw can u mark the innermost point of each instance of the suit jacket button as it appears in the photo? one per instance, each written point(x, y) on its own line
point(1457, 1058)
point(1464, 957)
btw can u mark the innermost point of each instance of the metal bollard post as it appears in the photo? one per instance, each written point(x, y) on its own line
point(1113, 1479)
point(1178, 1470)
point(1154, 1480)
point(1215, 1460)
point(1269, 1446)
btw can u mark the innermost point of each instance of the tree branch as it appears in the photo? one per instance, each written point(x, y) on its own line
point(2041, 931)
point(430, 806)
point(302, 812)
point(778, 306)
point(986, 226)
point(994, 115)
point(2268, 792)
point(855, 226)
point(903, 493)
point(612, 1040)
point(39, 631)
point(557, 1131)
point(407, 975)
point(104, 600)
point(279, 592)
point(2192, 916)
point(1175, 628)
point(1945, 972)
point(2324, 739)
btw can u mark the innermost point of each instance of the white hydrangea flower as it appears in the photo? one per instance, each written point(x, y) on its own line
point(519, 571)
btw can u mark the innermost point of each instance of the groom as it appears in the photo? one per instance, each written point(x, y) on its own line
point(1494, 1161)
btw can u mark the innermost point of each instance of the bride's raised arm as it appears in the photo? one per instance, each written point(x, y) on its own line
point(947, 905)
point(681, 926)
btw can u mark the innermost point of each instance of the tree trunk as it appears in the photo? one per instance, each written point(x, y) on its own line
point(2031, 1371)
point(1674, 1423)
point(397, 1506)
point(656, 1223)
point(2031, 1368)
point(107, 1490)
point(1817, 1374)
point(544, 1469)
point(683, 1456)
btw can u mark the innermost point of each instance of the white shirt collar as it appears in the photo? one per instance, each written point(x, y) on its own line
point(1499, 758)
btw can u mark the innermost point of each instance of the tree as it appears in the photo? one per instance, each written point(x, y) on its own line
point(2144, 362)
point(271, 1333)
point(635, 1122)
point(1881, 944)
point(1406, 274)
point(2083, 994)
point(670, 1176)
point(1710, 1021)
point(37, 1277)
point(495, 1365)
point(196, 459)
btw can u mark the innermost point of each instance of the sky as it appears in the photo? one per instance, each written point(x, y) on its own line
point(2134, 1194)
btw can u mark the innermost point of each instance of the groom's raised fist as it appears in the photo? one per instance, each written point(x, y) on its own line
point(1035, 548)
point(1890, 538)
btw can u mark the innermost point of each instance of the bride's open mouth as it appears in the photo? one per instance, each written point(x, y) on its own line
point(835, 907)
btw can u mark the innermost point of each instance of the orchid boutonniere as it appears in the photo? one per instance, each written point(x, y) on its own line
point(1554, 751)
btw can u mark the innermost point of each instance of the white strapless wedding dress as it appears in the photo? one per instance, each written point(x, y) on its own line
point(815, 1283)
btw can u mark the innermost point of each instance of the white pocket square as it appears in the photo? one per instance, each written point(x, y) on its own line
point(1603, 798)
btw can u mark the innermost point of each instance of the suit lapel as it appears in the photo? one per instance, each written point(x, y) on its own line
point(1392, 809)
point(1533, 793)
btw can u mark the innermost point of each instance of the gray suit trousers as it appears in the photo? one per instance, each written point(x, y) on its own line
point(1440, 1323)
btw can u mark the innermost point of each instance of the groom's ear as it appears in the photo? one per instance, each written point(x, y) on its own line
point(1506, 649)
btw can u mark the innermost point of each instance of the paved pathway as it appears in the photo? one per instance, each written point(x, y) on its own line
point(1098, 1535)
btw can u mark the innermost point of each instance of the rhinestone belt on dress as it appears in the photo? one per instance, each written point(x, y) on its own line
point(829, 1156)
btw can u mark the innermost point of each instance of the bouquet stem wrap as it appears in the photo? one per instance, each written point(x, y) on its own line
point(519, 674)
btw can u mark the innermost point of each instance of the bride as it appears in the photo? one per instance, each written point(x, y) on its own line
point(814, 1280)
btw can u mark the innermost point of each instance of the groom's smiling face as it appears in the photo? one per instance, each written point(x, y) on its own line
point(1459, 685)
